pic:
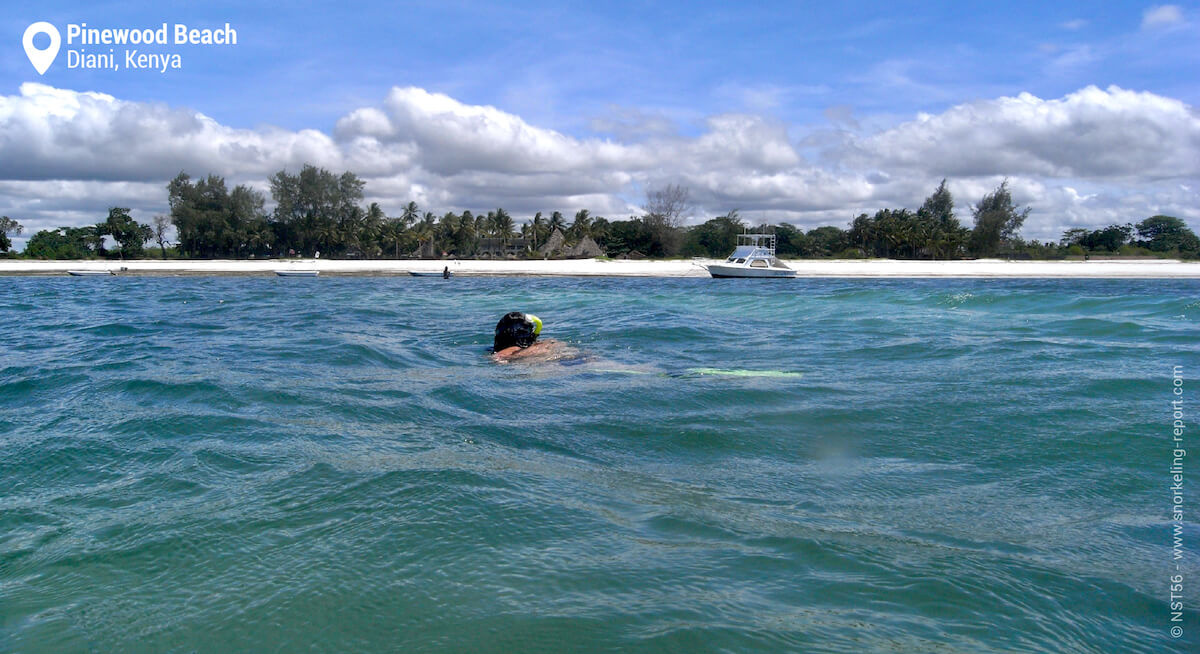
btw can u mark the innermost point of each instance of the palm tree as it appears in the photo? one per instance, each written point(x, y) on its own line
point(505, 228)
point(370, 230)
point(599, 230)
point(411, 214)
point(464, 238)
point(481, 224)
point(536, 228)
point(862, 234)
point(258, 238)
point(426, 229)
point(556, 222)
point(582, 226)
point(325, 236)
point(392, 233)
point(448, 228)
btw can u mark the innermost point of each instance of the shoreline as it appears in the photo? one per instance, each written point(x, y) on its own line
point(805, 268)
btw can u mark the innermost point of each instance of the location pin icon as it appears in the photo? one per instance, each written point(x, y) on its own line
point(41, 59)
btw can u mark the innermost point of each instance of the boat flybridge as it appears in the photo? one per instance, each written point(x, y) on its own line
point(754, 256)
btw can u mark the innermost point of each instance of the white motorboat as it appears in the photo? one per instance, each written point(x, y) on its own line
point(90, 273)
point(297, 273)
point(754, 256)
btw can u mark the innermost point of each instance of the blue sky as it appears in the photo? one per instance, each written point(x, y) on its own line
point(557, 64)
point(645, 72)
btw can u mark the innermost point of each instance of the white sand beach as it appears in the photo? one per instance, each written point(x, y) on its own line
point(1159, 268)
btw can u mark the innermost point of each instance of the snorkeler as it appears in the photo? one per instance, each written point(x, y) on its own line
point(516, 338)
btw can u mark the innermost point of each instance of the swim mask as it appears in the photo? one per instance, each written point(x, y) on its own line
point(516, 328)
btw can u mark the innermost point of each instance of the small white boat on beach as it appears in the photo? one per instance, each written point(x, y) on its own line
point(754, 256)
point(90, 273)
point(297, 273)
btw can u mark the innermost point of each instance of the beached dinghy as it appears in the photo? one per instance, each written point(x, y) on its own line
point(297, 273)
point(90, 273)
point(754, 256)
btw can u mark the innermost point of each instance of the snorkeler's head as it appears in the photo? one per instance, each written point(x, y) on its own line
point(516, 328)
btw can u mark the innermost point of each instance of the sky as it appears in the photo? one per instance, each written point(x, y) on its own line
point(802, 112)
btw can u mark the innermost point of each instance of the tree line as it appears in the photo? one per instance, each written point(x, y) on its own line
point(89, 241)
point(317, 211)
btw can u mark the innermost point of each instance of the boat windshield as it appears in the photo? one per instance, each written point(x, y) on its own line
point(742, 252)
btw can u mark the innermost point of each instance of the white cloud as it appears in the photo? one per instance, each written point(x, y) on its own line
point(1072, 57)
point(1092, 133)
point(763, 98)
point(841, 115)
point(1160, 16)
point(47, 132)
point(632, 124)
point(1076, 24)
point(1089, 158)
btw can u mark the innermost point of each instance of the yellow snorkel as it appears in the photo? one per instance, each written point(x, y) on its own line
point(516, 328)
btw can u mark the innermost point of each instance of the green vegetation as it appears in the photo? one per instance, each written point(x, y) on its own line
point(1156, 236)
point(8, 226)
point(129, 234)
point(933, 232)
point(997, 222)
point(211, 222)
point(67, 243)
point(317, 211)
point(88, 242)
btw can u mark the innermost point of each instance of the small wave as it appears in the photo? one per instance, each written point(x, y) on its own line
point(112, 330)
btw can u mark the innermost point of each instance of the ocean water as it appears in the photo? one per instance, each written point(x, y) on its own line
point(219, 464)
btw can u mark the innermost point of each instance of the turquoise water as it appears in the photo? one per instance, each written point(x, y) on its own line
point(266, 464)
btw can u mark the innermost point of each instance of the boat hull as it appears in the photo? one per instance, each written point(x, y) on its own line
point(429, 274)
point(297, 273)
point(90, 273)
point(724, 271)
